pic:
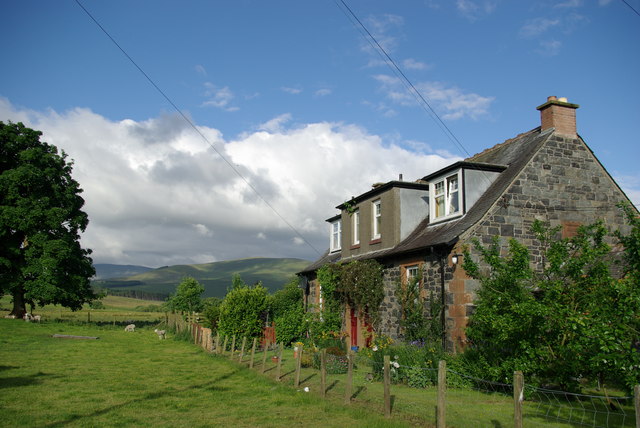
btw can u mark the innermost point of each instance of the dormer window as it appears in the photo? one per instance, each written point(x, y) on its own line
point(446, 197)
point(377, 219)
point(336, 235)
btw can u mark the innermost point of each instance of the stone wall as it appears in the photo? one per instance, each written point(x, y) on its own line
point(563, 185)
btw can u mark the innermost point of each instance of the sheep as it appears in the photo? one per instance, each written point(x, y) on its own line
point(130, 327)
point(27, 317)
point(10, 317)
point(161, 333)
point(36, 318)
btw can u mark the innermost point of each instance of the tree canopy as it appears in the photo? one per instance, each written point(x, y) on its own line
point(187, 296)
point(41, 218)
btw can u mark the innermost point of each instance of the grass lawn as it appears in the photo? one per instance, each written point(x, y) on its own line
point(134, 379)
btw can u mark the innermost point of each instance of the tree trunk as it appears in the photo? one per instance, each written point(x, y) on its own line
point(19, 304)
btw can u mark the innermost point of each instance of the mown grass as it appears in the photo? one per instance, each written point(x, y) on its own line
point(133, 379)
point(130, 379)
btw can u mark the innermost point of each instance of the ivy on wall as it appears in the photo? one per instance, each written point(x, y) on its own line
point(357, 283)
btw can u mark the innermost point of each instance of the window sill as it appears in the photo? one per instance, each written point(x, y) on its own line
point(375, 241)
point(354, 247)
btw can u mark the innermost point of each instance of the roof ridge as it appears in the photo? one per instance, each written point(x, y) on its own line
point(504, 143)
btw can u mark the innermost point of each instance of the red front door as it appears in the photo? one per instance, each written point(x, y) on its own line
point(354, 327)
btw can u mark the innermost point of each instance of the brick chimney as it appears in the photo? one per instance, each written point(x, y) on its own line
point(558, 113)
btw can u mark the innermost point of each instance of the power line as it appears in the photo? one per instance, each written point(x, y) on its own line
point(422, 100)
point(631, 7)
point(166, 97)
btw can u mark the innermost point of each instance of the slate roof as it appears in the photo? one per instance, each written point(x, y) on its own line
point(513, 154)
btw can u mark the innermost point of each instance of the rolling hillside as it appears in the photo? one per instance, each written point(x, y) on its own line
point(215, 277)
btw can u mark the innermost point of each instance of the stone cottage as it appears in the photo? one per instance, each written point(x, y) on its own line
point(548, 173)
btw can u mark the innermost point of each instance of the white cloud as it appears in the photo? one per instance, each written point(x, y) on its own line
point(200, 70)
point(275, 124)
point(549, 47)
point(449, 101)
point(157, 194)
point(474, 10)
point(219, 97)
point(323, 92)
point(538, 26)
point(630, 184)
point(569, 4)
point(384, 29)
point(412, 64)
point(291, 90)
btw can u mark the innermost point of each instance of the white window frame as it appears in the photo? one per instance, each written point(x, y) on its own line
point(355, 224)
point(446, 194)
point(335, 235)
point(376, 216)
point(412, 268)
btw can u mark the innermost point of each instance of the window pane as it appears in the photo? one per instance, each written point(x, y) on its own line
point(452, 194)
point(439, 206)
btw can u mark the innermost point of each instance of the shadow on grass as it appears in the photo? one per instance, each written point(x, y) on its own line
point(307, 378)
point(287, 374)
point(333, 385)
point(8, 367)
point(496, 424)
point(13, 382)
point(149, 396)
point(358, 392)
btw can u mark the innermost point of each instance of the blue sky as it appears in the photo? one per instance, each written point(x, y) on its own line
point(293, 96)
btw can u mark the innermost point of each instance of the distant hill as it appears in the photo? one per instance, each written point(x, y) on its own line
point(106, 271)
point(215, 277)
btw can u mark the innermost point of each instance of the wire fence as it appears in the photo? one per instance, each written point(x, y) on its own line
point(539, 406)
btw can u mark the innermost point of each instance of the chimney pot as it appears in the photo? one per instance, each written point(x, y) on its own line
point(559, 114)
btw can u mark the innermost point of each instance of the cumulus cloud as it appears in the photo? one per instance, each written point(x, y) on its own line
point(157, 194)
point(449, 101)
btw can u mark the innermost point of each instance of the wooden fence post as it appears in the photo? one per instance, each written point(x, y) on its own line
point(217, 348)
point(298, 365)
point(518, 397)
point(224, 347)
point(349, 383)
point(323, 372)
point(387, 386)
point(88, 316)
point(253, 352)
point(442, 390)
point(264, 356)
point(279, 366)
point(244, 343)
point(233, 346)
point(636, 394)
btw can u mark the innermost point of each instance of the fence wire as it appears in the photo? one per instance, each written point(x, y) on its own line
point(549, 405)
point(580, 409)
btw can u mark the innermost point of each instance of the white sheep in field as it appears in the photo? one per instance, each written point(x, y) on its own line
point(36, 318)
point(161, 333)
point(10, 317)
point(27, 317)
point(130, 327)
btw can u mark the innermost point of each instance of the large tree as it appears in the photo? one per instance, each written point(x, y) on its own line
point(41, 218)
